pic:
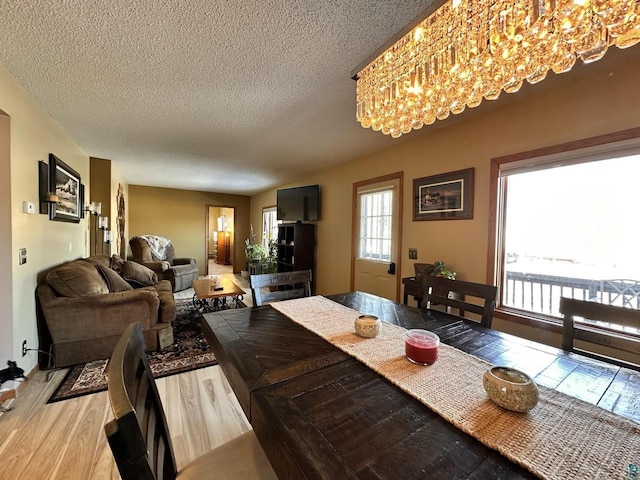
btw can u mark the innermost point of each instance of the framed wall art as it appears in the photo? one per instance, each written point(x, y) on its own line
point(448, 196)
point(64, 181)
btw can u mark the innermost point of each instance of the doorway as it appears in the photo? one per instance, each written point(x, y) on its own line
point(377, 228)
point(220, 239)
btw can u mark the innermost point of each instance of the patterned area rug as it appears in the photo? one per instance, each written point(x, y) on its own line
point(189, 351)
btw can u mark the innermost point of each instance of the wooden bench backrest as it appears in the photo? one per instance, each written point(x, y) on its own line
point(287, 285)
point(438, 290)
point(613, 315)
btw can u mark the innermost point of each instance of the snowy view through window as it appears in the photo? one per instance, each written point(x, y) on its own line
point(573, 231)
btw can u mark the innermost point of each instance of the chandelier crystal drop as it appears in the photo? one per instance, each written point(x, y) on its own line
point(470, 50)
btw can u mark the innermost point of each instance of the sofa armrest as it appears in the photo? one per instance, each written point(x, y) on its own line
point(184, 261)
point(104, 315)
point(158, 266)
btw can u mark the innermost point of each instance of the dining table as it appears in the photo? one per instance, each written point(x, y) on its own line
point(320, 413)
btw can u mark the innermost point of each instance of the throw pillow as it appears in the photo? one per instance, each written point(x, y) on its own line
point(77, 279)
point(139, 273)
point(114, 281)
point(116, 263)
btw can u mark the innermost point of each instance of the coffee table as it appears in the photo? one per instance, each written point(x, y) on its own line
point(210, 299)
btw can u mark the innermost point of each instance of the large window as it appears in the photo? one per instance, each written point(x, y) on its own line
point(376, 215)
point(569, 227)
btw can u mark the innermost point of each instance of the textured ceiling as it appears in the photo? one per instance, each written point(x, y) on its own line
point(225, 96)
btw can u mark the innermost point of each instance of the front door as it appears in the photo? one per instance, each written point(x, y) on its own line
point(377, 213)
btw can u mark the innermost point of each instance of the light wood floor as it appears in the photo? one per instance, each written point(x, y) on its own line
point(65, 440)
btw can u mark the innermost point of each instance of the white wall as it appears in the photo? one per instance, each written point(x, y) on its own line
point(33, 135)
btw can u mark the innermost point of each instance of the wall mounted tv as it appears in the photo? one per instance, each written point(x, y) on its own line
point(300, 204)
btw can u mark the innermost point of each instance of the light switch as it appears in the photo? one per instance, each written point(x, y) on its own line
point(413, 254)
point(22, 256)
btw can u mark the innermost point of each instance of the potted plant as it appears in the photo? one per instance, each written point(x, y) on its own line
point(440, 270)
point(260, 259)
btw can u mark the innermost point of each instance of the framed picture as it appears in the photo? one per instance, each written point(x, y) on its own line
point(444, 197)
point(64, 181)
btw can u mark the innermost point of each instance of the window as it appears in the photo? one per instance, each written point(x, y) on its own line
point(568, 227)
point(376, 214)
point(269, 226)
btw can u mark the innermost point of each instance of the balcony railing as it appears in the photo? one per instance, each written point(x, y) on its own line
point(541, 293)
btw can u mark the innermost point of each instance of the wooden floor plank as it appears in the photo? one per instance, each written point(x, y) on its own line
point(66, 440)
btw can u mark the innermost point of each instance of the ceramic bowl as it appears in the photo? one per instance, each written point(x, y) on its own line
point(367, 326)
point(510, 388)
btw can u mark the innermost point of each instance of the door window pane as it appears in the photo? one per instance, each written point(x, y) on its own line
point(375, 225)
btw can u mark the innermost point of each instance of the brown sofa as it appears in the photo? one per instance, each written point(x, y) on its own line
point(84, 306)
point(179, 271)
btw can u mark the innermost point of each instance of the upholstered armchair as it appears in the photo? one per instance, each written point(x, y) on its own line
point(162, 260)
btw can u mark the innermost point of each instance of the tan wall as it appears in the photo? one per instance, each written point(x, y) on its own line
point(34, 134)
point(590, 105)
point(181, 215)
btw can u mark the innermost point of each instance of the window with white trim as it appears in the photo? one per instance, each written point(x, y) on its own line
point(376, 215)
point(568, 227)
point(269, 225)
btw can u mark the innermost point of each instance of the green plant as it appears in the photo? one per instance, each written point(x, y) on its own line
point(439, 270)
point(255, 252)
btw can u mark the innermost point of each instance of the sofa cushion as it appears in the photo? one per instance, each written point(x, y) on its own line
point(114, 281)
point(98, 259)
point(77, 279)
point(139, 273)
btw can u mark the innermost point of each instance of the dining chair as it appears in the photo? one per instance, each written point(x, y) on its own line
point(273, 287)
point(477, 298)
point(139, 436)
point(599, 324)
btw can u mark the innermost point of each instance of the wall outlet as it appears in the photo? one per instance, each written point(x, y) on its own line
point(24, 348)
point(413, 254)
point(22, 256)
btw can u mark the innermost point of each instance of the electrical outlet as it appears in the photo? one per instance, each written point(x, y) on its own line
point(22, 256)
point(24, 348)
point(413, 254)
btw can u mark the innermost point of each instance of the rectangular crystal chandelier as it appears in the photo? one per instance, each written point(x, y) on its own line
point(469, 50)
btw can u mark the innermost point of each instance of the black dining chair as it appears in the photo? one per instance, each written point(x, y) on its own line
point(273, 287)
point(139, 436)
point(478, 298)
point(599, 324)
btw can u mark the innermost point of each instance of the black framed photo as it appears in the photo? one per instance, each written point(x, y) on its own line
point(448, 196)
point(64, 181)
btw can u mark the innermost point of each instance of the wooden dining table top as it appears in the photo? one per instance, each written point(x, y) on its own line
point(319, 413)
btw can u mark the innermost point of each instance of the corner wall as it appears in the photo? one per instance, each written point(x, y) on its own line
point(33, 135)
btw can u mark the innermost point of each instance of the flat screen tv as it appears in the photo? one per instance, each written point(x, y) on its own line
point(300, 204)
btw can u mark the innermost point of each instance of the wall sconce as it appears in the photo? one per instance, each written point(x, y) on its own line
point(94, 208)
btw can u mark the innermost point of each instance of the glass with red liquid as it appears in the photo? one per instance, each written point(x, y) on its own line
point(421, 346)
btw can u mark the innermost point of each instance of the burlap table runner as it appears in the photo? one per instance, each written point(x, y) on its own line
point(561, 438)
